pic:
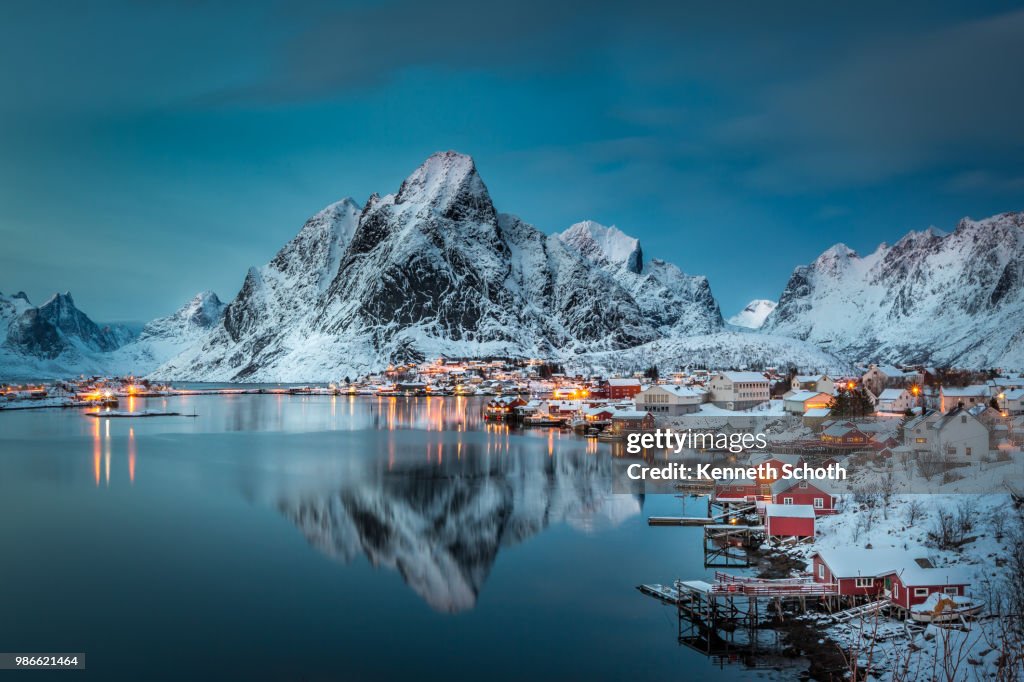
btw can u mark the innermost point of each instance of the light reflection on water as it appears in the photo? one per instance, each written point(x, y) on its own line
point(305, 527)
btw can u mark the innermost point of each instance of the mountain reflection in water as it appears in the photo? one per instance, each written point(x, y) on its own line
point(441, 522)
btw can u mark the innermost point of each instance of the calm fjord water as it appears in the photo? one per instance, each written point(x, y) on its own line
point(320, 538)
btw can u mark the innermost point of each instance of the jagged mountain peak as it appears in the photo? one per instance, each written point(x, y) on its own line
point(202, 310)
point(602, 244)
point(198, 315)
point(59, 300)
point(447, 183)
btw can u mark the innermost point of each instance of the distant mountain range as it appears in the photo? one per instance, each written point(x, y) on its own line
point(434, 269)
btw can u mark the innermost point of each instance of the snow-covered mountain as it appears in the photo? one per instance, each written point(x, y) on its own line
point(165, 337)
point(434, 269)
point(676, 303)
point(57, 339)
point(932, 297)
point(754, 314)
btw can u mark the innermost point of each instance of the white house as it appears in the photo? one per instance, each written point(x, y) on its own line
point(739, 390)
point(1012, 400)
point(802, 401)
point(956, 435)
point(968, 396)
point(895, 400)
point(820, 383)
point(671, 399)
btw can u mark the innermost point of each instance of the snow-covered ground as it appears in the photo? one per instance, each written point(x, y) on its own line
point(893, 650)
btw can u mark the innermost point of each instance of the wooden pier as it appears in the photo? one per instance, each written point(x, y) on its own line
point(722, 618)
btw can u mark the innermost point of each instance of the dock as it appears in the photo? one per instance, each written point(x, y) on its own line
point(722, 618)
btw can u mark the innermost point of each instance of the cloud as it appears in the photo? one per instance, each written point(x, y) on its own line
point(894, 107)
point(974, 181)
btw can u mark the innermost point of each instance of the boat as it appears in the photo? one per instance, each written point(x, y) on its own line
point(943, 608)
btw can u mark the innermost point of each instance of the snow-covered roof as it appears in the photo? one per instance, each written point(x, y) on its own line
point(891, 393)
point(623, 382)
point(1014, 394)
point(629, 414)
point(744, 377)
point(681, 391)
point(817, 412)
point(853, 562)
point(804, 396)
point(893, 371)
point(789, 511)
point(977, 391)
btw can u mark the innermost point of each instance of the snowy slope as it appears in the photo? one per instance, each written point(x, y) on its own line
point(166, 337)
point(754, 314)
point(738, 350)
point(932, 297)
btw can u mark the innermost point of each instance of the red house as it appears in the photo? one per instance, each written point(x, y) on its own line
point(789, 520)
point(865, 574)
point(817, 494)
point(912, 584)
point(623, 389)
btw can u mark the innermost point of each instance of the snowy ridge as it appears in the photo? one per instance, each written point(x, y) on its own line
point(932, 297)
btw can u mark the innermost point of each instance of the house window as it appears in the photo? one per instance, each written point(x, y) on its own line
point(819, 502)
point(967, 452)
point(895, 590)
point(920, 440)
point(864, 582)
point(803, 484)
point(920, 591)
point(951, 590)
point(787, 500)
point(821, 571)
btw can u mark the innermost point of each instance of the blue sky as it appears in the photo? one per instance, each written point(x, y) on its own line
point(151, 150)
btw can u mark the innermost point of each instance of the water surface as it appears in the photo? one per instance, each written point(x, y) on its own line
point(332, 538)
